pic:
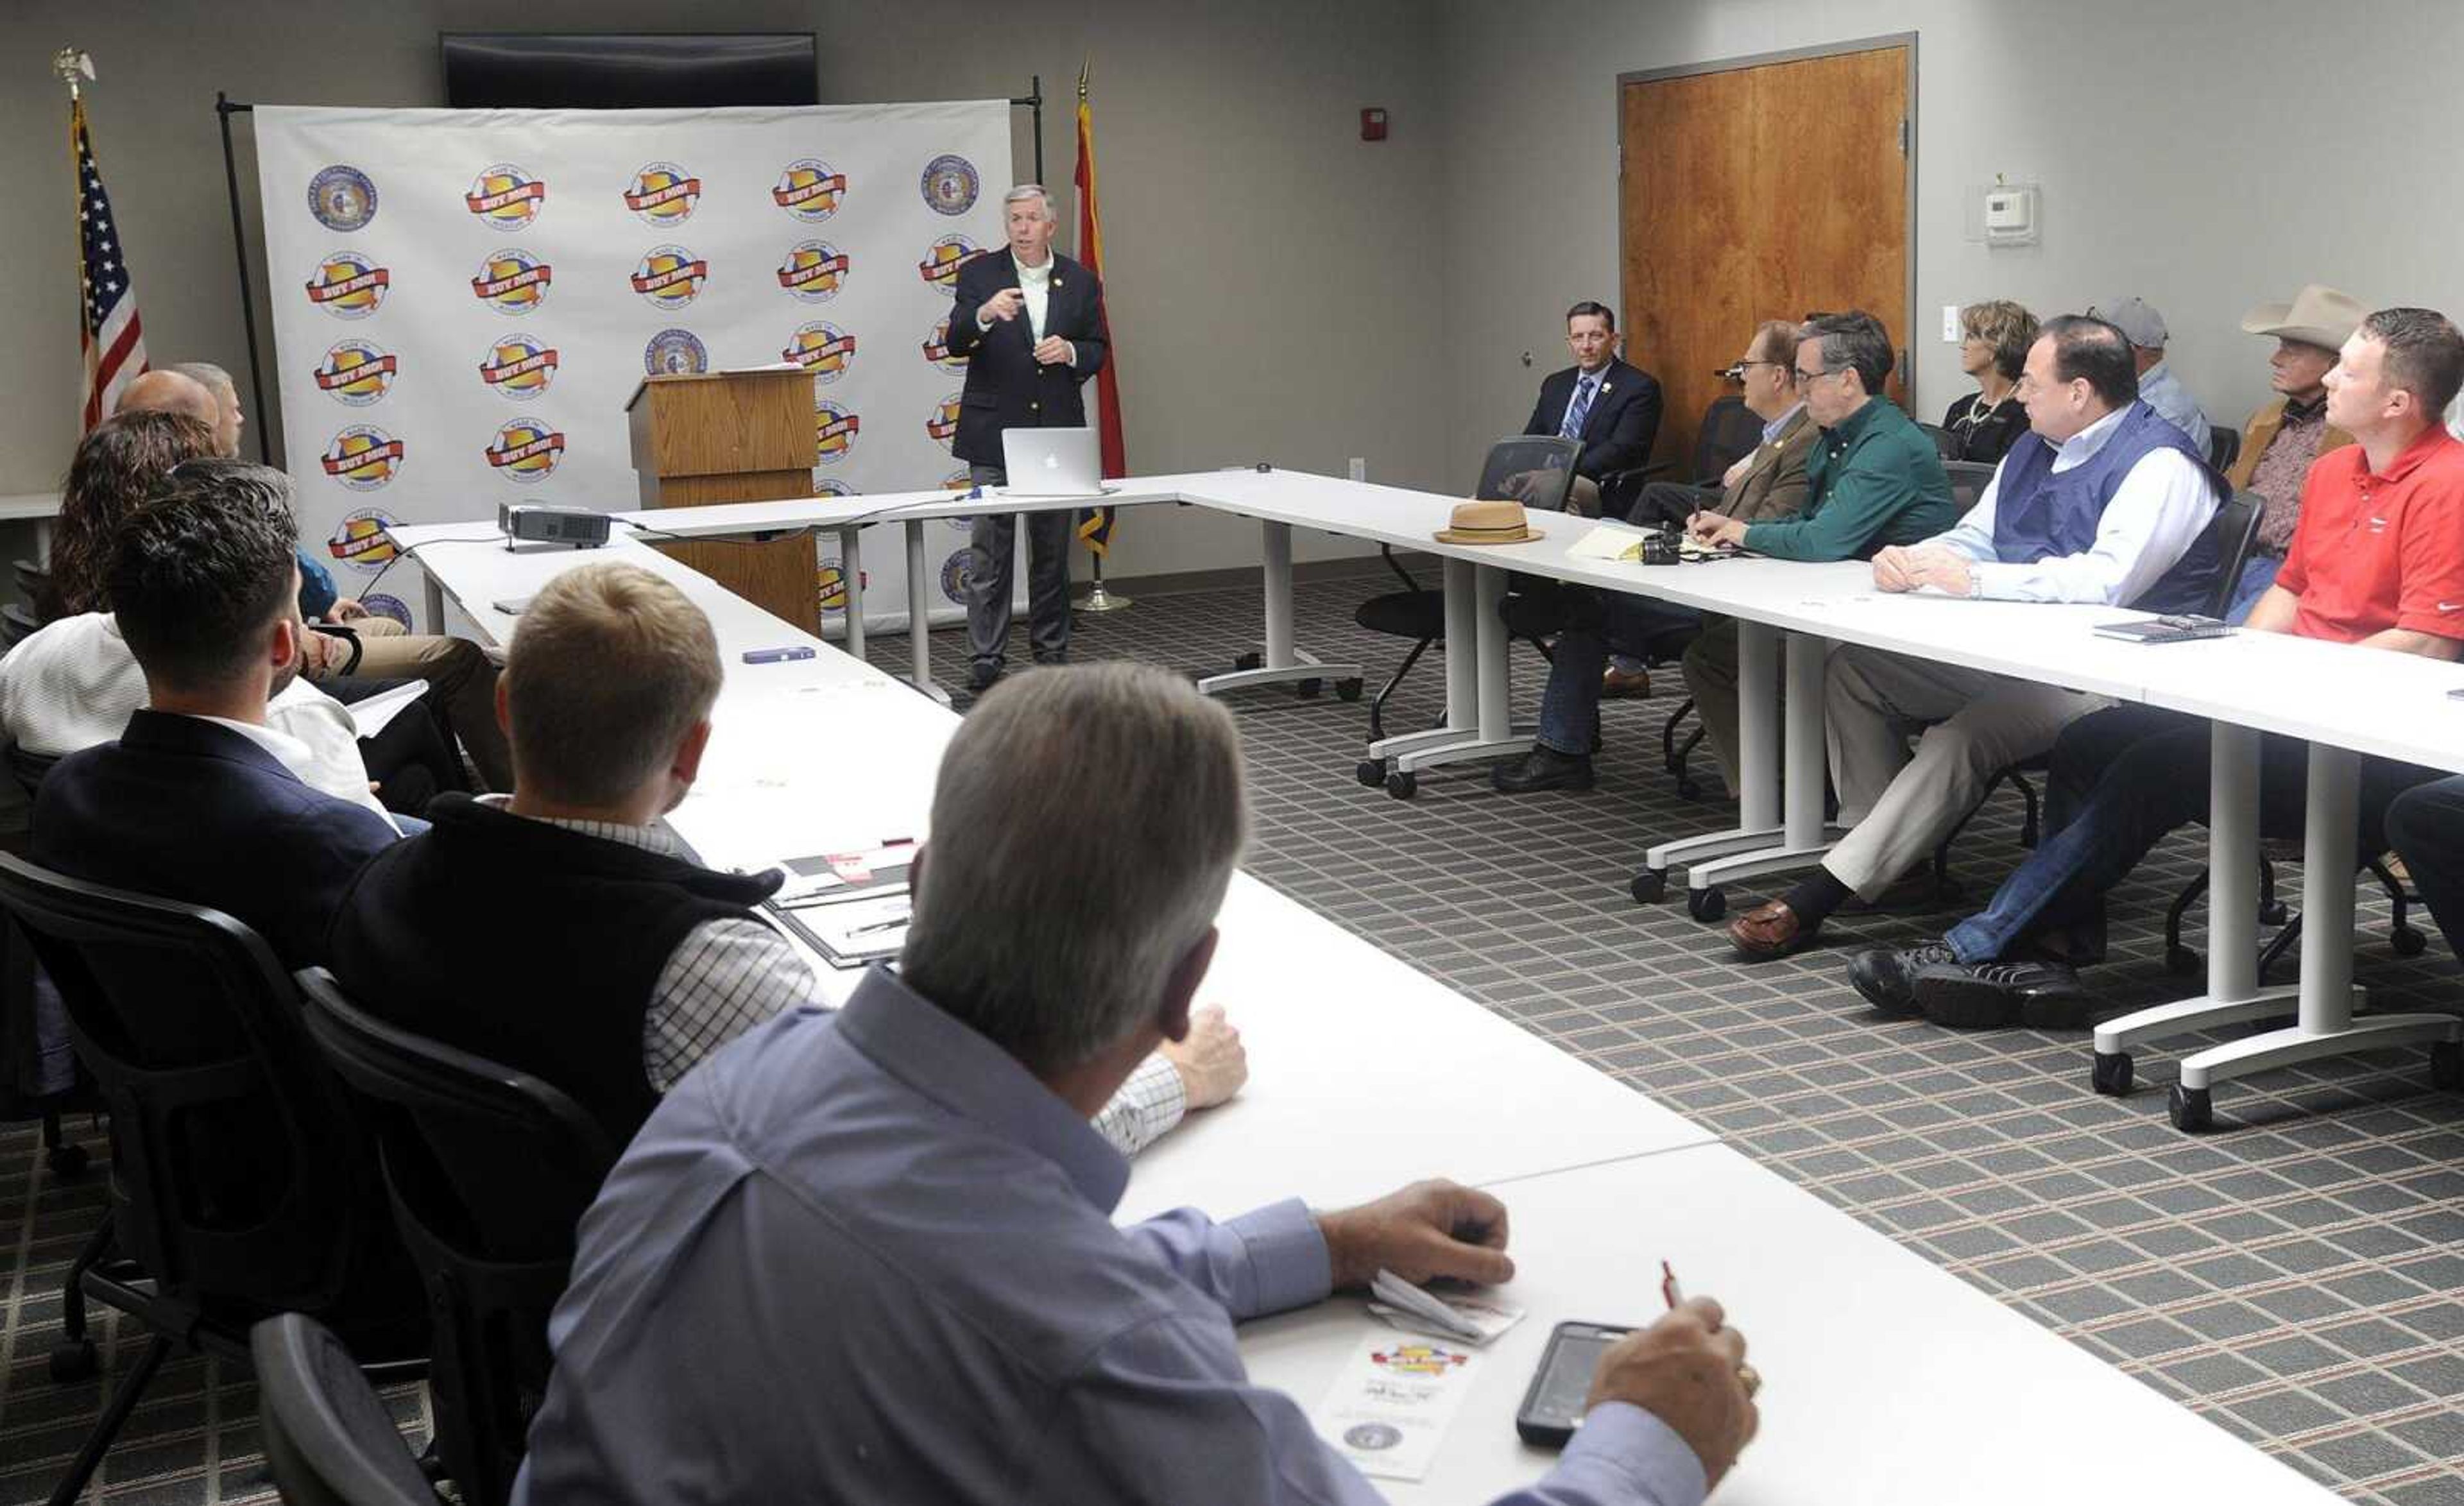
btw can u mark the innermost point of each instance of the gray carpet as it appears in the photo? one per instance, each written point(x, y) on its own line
point(2294, 1276)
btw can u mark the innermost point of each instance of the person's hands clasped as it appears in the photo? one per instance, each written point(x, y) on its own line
point(1054, 351)
point(1006, 304)
point(1909, 569)
point(1689, 1370)
point(1427, 1231)
point(1212, 1062)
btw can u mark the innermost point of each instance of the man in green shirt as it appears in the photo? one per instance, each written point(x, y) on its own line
point(1875, 480)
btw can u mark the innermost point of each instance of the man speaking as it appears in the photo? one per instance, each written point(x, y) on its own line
point(1030, 325)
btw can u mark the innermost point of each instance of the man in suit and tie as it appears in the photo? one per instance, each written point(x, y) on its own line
point(200, 800)
point(1768, 483)
point(1029, 323)
point(1613, 408)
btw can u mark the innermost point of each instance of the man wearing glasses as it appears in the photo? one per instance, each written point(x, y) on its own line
point(2104, 502)
point(1875, 478)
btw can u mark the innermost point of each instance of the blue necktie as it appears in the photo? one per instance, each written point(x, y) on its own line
point(1577, 410)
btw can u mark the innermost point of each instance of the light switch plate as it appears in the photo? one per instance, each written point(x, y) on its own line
point(1951, 323)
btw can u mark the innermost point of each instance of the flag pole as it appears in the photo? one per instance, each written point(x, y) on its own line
point(1098, 599)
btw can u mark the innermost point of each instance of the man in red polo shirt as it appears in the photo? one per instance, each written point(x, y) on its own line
point(2377, 562)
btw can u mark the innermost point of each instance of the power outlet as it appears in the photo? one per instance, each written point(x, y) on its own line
point(1951, 323)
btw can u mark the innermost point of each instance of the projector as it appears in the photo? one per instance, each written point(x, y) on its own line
point(576, 527)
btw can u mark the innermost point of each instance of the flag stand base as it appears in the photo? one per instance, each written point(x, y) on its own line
point(1099, 600)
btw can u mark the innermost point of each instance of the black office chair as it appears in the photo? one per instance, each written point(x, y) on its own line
point(2235, 529)
point(2224, 447)
point(1537, 471)
point(1945, 444)
point(35, 585)
point(489, 1171)
point(16, 624)
point(28, 1089)
point(328, 1437)
point(239, 1183)
point(1968, 482)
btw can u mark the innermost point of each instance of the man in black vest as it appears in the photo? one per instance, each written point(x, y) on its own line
point(561, 932)
point(1029, 323)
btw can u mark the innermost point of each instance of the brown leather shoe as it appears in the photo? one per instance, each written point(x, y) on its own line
point(1617, 685)
point(1769, 931)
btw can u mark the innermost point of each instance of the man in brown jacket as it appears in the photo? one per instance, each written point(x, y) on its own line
point(1766, 485)
point(2283, 437)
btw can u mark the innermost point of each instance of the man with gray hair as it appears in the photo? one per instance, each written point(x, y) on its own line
point(560, 931)
point(2158, 387)
point(880, 1244)
point(1029, 323)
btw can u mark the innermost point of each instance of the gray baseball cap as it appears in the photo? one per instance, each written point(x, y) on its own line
point(2135, 319)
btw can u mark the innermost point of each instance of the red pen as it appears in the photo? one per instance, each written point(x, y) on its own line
point(1668, 1288)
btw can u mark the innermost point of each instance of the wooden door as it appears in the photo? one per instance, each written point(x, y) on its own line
point(1761, 191)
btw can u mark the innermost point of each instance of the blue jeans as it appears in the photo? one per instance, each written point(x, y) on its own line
point(2149, 776)
point(1601, 623)
point(2257, 574)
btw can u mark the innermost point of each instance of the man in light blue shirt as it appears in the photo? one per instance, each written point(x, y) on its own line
point(869, 1258)
point(2158, 387)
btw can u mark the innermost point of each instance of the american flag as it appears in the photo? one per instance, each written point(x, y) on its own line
point(113, 347)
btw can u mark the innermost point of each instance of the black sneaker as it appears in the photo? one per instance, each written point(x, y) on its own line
point(1544, 767)
point(980, 678)
point(2043, 996)
point(1887, 978)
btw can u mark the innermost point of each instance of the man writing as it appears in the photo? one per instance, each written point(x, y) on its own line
point(1029, 323)
point(880, 1241)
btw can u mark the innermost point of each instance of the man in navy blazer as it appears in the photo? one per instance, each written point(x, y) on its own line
point(1029, 323)
point(198, 800)
point(1613, 408)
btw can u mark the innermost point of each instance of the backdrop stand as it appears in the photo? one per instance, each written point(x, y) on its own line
point(224, 107)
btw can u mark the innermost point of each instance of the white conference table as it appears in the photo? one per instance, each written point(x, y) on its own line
point(829, 754)
point(1888, 1380)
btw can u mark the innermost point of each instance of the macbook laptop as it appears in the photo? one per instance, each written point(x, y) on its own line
point(1050, 462)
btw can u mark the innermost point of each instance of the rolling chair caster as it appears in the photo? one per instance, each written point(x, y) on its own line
point(2111, 1075)
point(2190, 1108)
point(1650, 886)
point(1403, 783)
point(1370, 771)
point(1707, 904)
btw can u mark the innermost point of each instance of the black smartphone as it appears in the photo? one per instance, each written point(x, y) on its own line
point(1552, 1407)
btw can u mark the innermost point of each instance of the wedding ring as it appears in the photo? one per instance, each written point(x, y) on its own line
point(1750, 1379)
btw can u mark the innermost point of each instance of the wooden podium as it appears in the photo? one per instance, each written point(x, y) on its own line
point(733, 436)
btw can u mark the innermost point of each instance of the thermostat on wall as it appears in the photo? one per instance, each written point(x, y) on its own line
point(2011, 214)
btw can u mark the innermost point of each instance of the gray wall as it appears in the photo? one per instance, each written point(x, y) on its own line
point(2205, 157)
point(1260, 288)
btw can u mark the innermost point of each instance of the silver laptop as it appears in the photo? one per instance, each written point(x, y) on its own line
point(1051, 462)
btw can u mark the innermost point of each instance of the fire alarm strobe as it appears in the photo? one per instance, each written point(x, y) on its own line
point(1373, 124)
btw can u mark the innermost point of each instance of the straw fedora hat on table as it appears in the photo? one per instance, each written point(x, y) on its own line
point(1488, 523)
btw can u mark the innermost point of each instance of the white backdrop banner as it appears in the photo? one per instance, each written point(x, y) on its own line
point(463, 300)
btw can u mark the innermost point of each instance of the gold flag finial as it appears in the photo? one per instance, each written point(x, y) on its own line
point(1083, 66)
point(72, 64)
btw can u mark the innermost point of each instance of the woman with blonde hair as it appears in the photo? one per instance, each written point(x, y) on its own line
point(1994, 343)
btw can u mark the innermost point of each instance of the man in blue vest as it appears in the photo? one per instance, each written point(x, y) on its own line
point(2103, 501)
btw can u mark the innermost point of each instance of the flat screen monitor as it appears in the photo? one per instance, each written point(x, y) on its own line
point(627, 71)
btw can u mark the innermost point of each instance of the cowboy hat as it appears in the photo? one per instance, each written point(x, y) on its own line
point(1487, 523)
point(2318, 316)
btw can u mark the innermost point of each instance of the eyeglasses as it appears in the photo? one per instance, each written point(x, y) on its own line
point(1802, 376)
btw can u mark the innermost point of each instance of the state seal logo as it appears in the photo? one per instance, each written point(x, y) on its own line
point(361, 542)
point(342, 199)
point(349, 285)
point(809, 189)
point(363, 458)
point(526, 449)
point(936, 348)
point(956, 571)
point(675, 352)
point(826, 351)
point(943, 425)
point(381, 605)
point(513, 279)
point(939, 268)
point(670, 276)
point(834, 488)
point(813, 271)
point(356, 371)
point(662, 193)
point(505, 196)
point(835, 431)
point(950, 184)
point(519, 366)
